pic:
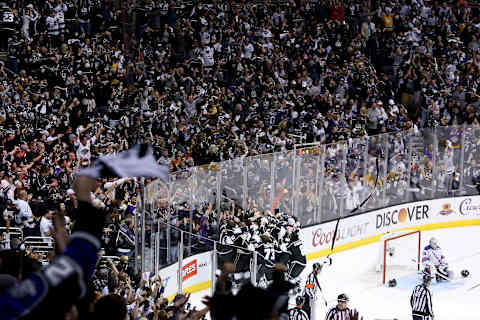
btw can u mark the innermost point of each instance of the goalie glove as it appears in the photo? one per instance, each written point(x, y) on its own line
point(430, 269)
point(443, 262)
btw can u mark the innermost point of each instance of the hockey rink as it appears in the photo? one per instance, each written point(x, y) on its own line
point(353, 272)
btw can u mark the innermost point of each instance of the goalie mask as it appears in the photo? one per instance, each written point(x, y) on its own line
point(433, 243)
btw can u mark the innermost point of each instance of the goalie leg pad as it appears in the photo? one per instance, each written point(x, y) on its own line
point(429, 271)
point(443, 274)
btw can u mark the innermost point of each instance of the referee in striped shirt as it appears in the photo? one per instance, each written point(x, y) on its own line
point(421, 300)
point(298, 313)
point(341, 311)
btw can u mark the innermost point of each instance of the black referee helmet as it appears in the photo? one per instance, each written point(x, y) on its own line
point(342, 298)
point(300, 300)
point(317, 266)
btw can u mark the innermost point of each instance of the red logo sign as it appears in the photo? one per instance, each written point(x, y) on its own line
point(321, 237)
point(189, 270)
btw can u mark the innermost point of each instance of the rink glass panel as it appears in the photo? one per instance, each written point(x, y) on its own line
point(308, 167)
point(471, 160)
point(260, 187)
point(317, 184)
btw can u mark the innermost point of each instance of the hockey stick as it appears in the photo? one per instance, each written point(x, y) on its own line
point(475, 286)
point(355, 209)
point(320, 288)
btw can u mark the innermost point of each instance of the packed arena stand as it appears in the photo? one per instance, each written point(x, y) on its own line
point(227, 94)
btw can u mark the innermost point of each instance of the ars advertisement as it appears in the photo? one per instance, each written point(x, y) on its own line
point(197, 269)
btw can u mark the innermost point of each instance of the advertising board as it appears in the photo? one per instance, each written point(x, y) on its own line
point(169, 277)
point(352, 232)
point(196, 272)
point(369, 227)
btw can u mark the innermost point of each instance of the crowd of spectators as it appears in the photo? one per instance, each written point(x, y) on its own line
point(208, 81)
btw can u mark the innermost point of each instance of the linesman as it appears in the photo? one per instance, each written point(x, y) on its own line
point(341, 311)
point(298, 313)
point(421, 300)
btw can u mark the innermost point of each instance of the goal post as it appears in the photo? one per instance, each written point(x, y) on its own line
point(399, 254)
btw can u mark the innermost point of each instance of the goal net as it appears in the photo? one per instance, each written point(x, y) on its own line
point(399, 254)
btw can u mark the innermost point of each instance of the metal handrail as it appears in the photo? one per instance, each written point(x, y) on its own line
point(15, 231)
point(35, 242)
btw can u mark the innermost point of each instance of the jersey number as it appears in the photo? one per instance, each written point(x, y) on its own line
point(8, 17)
point(270, 254)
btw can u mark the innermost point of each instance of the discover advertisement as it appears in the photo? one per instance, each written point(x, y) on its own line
point(407, 214)
point(430, 214)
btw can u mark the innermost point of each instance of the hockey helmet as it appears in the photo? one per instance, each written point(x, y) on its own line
point(392, 283)
point(465, 273)
point(291, 222)
point(342, 298)
point(317, 266)
point(299, 300)
point(433, 242)
point(427, 278)
point(237, 230)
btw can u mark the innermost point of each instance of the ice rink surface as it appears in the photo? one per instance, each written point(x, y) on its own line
point(353, 272)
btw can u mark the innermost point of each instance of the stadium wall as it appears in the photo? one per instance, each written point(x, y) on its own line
point(354, 231)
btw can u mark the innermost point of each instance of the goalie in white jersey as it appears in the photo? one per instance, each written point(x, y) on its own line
point(434, 262)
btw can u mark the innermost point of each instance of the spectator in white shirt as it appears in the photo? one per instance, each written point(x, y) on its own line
point(30, 15)
point(83, 150)
point(7, 189)
point(60, 11)
point(52, 24)
point(25, 216)
point(207, 56)
point(46, 226)
point(374, 115)
point(248, 51)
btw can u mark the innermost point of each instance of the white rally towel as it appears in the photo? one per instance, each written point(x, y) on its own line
point(137, 161)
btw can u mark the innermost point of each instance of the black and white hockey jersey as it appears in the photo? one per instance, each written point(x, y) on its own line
point(295, 249)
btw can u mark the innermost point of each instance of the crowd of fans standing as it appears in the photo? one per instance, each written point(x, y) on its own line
point(209, 81)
